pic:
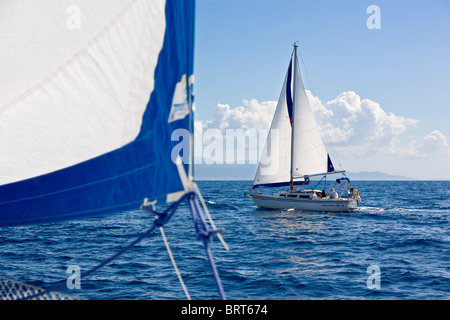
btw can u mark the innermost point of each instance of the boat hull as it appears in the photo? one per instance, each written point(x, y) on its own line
point(277, 202)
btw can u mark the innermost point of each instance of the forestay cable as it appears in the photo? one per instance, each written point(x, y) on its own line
point(209, 216)
point(161, 229)
point(161, 219)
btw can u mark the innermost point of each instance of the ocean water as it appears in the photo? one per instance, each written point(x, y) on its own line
point(402, 229)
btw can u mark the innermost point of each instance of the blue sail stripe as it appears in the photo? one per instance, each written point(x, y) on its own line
point(76, 187)
point(288, 92)
point(330, 166)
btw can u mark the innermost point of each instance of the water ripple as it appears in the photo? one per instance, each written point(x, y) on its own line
point(274, 254)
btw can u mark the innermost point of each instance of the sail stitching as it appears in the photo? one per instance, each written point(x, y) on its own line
point(80, 186)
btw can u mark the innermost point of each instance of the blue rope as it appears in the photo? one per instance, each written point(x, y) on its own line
point(324, 183)
point(205, 236)
point(162, 218)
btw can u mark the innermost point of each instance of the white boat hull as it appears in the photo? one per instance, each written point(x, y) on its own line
point(317, 204)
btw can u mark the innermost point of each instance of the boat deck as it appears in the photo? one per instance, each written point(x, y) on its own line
point(303, 201)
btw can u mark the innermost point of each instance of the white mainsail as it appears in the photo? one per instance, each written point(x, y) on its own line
point(293, 130)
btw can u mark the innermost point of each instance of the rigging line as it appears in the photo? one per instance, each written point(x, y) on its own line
point(209, 217)
point(161, 229)
point(205, 236)
point(167, 215)
point(333, 148)
point(104, 263)
point(307, 75)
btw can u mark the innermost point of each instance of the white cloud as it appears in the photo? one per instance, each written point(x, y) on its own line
point(434, 144)
point(360, 126)
point(355, 126)
point(252, 115)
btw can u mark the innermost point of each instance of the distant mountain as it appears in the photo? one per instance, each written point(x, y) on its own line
point(247, 172)
point(374, 175)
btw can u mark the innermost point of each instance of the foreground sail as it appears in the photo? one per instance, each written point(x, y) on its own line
point(90, 95)
point(294, 152)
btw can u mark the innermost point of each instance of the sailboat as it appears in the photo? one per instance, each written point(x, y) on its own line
point(91, 95)
point(295, 152)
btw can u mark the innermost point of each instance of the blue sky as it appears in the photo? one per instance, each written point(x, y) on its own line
point(243, 48)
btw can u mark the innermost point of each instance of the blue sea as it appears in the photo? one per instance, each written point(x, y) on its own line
point(402, 230)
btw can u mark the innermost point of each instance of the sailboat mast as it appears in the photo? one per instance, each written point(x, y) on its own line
point(291, 184)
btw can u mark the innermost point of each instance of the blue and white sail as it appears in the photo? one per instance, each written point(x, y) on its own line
point(90, 93)
point(294, 148)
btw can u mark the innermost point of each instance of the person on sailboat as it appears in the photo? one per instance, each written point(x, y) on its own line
point(333, 194)
point(354, 194)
